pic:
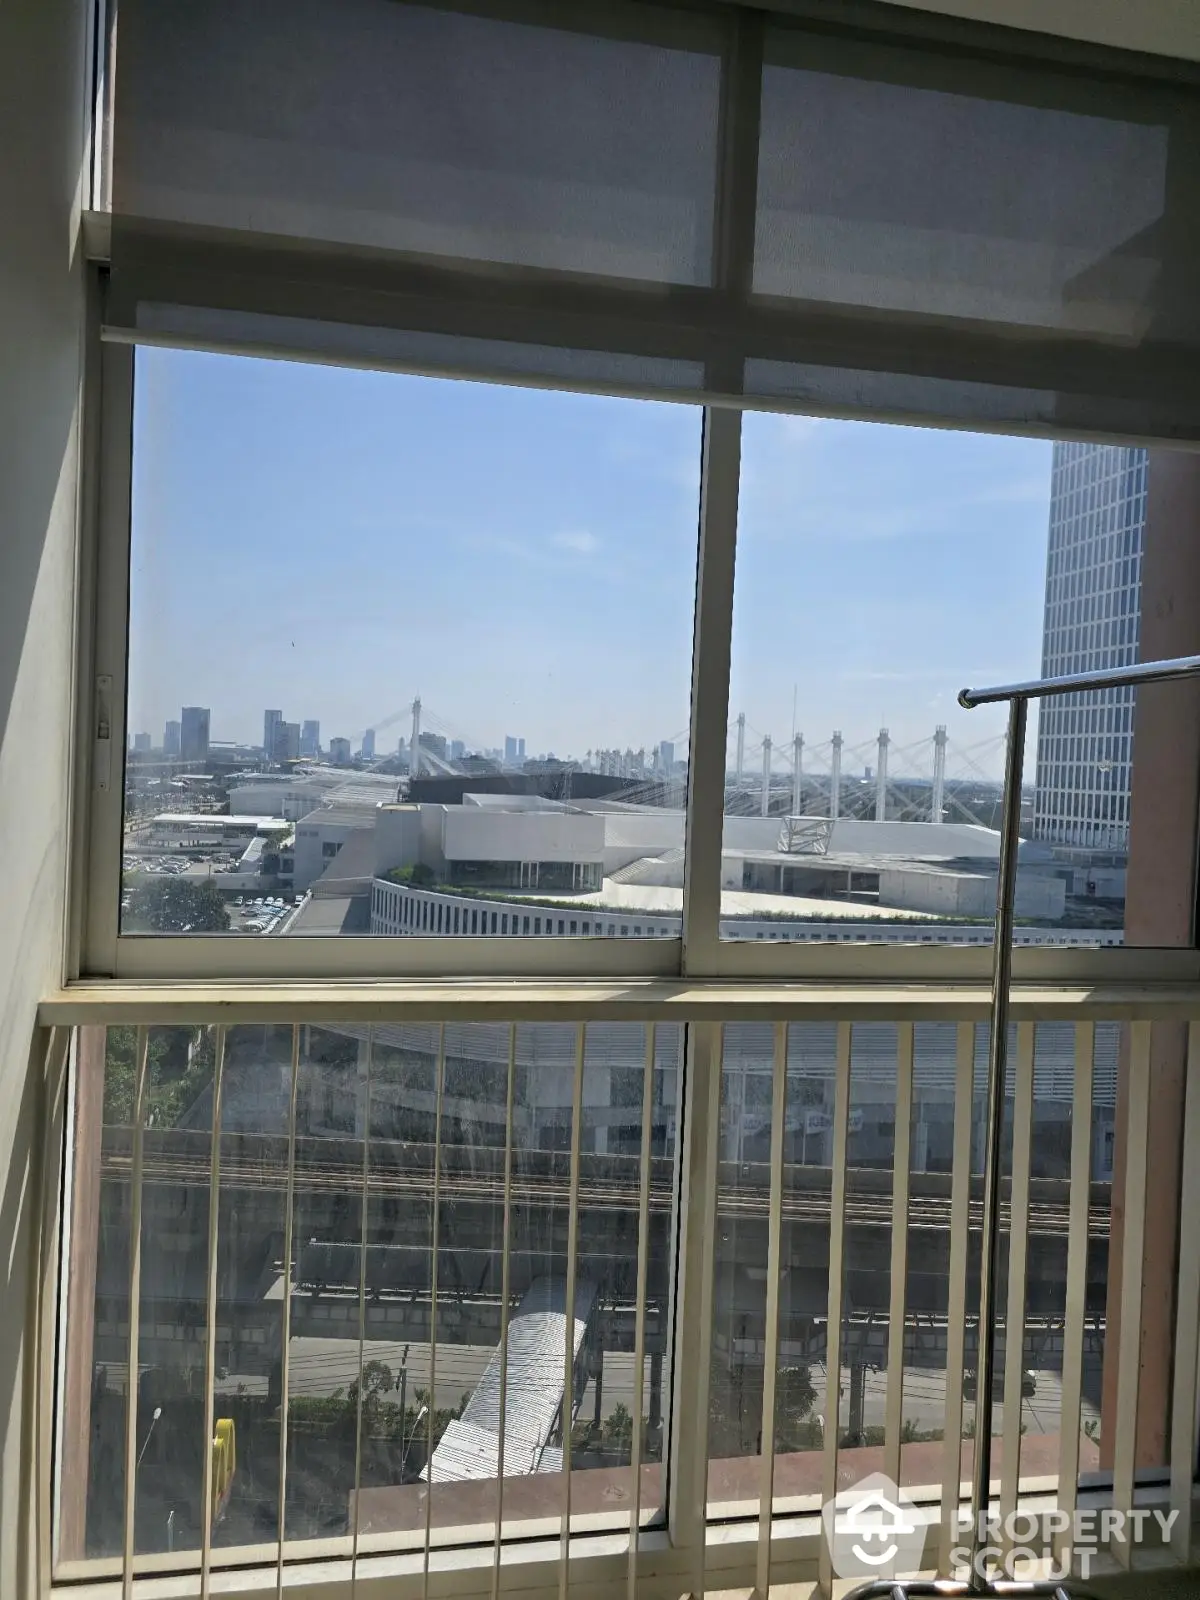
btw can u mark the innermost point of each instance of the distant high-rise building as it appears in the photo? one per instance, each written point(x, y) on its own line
point(271, 722)
point(339, 752)
point(193, 733)
point(510, 750)
point(435, 743)
point(287, 742)
point(401, 747)
point(141, 742)
point(1092, 621)
point(171, 735)
point(666, 757)
point(520, 749)
point(457, 749)
point(368, 745)
point(310, 739)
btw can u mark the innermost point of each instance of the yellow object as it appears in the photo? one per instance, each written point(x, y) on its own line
point(224, 1465)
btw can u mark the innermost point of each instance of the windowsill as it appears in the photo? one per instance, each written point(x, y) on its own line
point(163, 1002)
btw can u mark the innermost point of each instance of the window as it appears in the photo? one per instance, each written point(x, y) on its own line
point(330, 558)
point(477, 484)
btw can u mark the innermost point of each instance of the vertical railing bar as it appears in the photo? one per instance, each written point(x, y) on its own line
point(435, 1232)
point(766, 1505)
point(286, 1334)
point(956, 1305)
point(142, 1052)
point(1187, 1330)
point(898, 1284)
point(639, 1310)
point(837, 1237)
point(1075, 1307)
point(210, 1320)
point(1018, 1251)
point(510, 1098)
point(1137, 1122)
point(362, 1306)
point(568, 1406)
point(696, 1225)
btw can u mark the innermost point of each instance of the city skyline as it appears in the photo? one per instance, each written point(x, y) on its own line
point(343, 540)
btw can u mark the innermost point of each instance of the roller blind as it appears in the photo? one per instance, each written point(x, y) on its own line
point(413, 128)
point(694, 201)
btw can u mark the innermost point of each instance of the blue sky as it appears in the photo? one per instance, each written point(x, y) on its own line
point(333, 542)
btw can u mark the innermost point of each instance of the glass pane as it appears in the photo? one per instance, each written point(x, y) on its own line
point(252, 1283)
point(395, 1375)
point(172, 1346)
point(427, 129)
point(607, 1273)
point(866, 1272)
point(735, 1395)
point(324, 1350)
point(95, 1378)
point(927, 1287)
point(467, 1316)
point(800, 1383)
point(884, 829)
point(413, 558)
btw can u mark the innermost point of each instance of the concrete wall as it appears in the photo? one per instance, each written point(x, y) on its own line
point(475, 834)
point(312, 834)
point(961, 894)
point(41, 102)
point(397, 837)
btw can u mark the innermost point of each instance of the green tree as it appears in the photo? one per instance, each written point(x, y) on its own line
point(179, 1067)
point(178, 905)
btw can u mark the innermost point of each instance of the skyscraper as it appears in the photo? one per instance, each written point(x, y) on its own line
point(368, 745)
point(171, 739)
point(287, 742)
point(339, 752)
point(1092, 617)
point(141, 743)
point(271, 721)
point(310, 739)
point(510, 750)
point(193, 733)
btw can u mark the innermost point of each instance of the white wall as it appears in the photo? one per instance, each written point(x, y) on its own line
point(397, 837)
point(41, 98)
point(472, 833)
point(960, 894)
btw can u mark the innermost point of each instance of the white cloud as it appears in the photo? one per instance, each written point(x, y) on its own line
point(578, 541)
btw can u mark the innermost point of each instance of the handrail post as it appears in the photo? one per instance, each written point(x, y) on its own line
point(1006, 890)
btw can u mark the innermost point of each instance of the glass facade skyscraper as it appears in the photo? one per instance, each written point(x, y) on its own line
point(1093, 606)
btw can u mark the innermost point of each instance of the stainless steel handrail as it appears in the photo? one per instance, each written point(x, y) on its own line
point(1104, 678)
point(1018, 696)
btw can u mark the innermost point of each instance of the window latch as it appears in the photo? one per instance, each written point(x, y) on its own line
point(103, 753)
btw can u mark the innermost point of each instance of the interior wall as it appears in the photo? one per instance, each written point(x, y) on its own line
point(42, 51)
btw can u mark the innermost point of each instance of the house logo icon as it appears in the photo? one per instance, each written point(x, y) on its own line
point(874, 1530)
